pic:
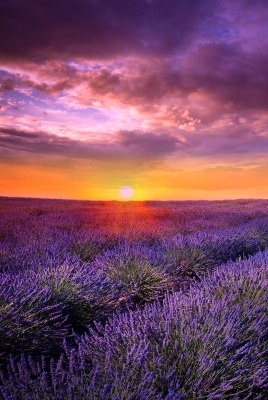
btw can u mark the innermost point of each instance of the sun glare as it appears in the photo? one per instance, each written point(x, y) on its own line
point(126, 192)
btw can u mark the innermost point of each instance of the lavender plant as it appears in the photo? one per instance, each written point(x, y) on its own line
point(133, 301)
point(29, 321)
point(85, 295)
point(193, 254)
point(209, 343)
point(138, 269)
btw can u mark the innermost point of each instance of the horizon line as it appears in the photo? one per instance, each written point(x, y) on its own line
point(132, 201)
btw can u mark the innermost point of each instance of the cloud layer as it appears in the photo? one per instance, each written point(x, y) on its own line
point(145, 83)
point(96, 29)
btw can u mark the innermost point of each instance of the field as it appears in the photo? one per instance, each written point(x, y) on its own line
point(132, 300)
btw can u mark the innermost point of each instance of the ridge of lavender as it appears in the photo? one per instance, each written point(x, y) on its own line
point(174, 307)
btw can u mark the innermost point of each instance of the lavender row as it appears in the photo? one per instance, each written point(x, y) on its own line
point(59, 300)
point(38, 232)
point(208, 343)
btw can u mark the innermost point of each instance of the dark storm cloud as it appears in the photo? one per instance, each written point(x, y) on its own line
point(200, 46)
point(34, 30)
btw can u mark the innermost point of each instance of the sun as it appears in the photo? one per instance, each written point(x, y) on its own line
point(126, 192)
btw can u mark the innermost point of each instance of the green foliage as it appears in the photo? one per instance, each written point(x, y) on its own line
point(140, 280)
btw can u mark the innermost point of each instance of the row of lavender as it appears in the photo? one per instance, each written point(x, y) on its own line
point(62, 270)
point(42, 305)
point(44, 232)
point(209, 343)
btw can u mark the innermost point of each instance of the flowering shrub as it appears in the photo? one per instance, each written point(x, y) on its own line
point(209, 343)
point(139, 269)
point(29, 321)
point(112, 301)
point(195, 253)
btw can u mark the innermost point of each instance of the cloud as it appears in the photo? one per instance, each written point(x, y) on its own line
point(148, 144)
point(7, 84)
point(227, 141)
point(51, 89)
point(17, 133)
point(151, 56)
point(211, 80)
point(97, 29)
point(128, 146)
point(140, 82)
point(229, 74)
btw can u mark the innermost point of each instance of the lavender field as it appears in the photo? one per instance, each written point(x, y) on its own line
point(133, 300)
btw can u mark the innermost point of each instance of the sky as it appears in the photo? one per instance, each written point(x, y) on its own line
point(167, 97)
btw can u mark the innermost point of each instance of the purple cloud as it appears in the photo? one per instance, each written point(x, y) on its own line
point(145, 146)
point(97, 29)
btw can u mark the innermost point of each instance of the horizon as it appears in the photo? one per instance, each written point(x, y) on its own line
point(131, 200)
point(167, 99)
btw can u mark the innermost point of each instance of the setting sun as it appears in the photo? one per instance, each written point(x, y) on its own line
point(126, 192)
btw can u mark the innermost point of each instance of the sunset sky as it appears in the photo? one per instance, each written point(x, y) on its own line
point(169, 97)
